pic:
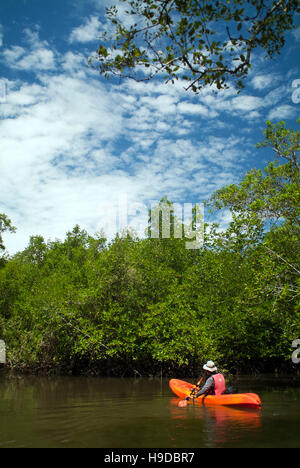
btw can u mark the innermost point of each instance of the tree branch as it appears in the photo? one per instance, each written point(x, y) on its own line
point(279, 256)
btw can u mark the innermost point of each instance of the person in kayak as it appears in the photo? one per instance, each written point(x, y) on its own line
point(214, 381)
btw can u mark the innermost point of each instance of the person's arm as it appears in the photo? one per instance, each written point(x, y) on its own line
point(209, 385)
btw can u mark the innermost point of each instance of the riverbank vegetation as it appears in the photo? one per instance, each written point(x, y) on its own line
point(141, 306)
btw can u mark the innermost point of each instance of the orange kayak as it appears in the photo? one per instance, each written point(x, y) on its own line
point(183, 389)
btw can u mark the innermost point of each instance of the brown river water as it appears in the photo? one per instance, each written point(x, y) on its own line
point(83, 412)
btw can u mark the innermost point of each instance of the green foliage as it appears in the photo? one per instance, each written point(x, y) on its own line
point(204, 43)
point(152, 305)
point(5, 225)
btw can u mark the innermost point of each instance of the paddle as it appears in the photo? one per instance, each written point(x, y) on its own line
point(183, 403)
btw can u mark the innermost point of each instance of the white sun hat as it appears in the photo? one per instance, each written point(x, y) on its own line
point(210, 366)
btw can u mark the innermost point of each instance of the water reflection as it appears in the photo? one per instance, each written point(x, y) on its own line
point(104, 412)
point(220, 424)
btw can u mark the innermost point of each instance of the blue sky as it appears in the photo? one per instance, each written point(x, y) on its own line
point(73, 145)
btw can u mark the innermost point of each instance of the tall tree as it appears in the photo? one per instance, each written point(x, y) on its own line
point(272, 194)
point(203, 42)
point(5, 225)
point(266, 229)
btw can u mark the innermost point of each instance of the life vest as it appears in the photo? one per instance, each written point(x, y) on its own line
point(220, 385)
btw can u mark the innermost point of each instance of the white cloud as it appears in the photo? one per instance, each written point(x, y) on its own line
point(37, 57)
point(13, 54)
point(73, 63)
point(58, 165)
point(26, 95)
point(263, 81)
point(193, 109)
point(164, 104)
point(247, 103)
point(280, 93)
point(63, 166)
point(254, 115)
point(282, 112)
point(89, 31)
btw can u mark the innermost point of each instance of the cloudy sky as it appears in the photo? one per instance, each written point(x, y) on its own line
point(73, 145)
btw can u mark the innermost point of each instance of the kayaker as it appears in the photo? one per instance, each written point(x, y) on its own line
point(214, 381)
